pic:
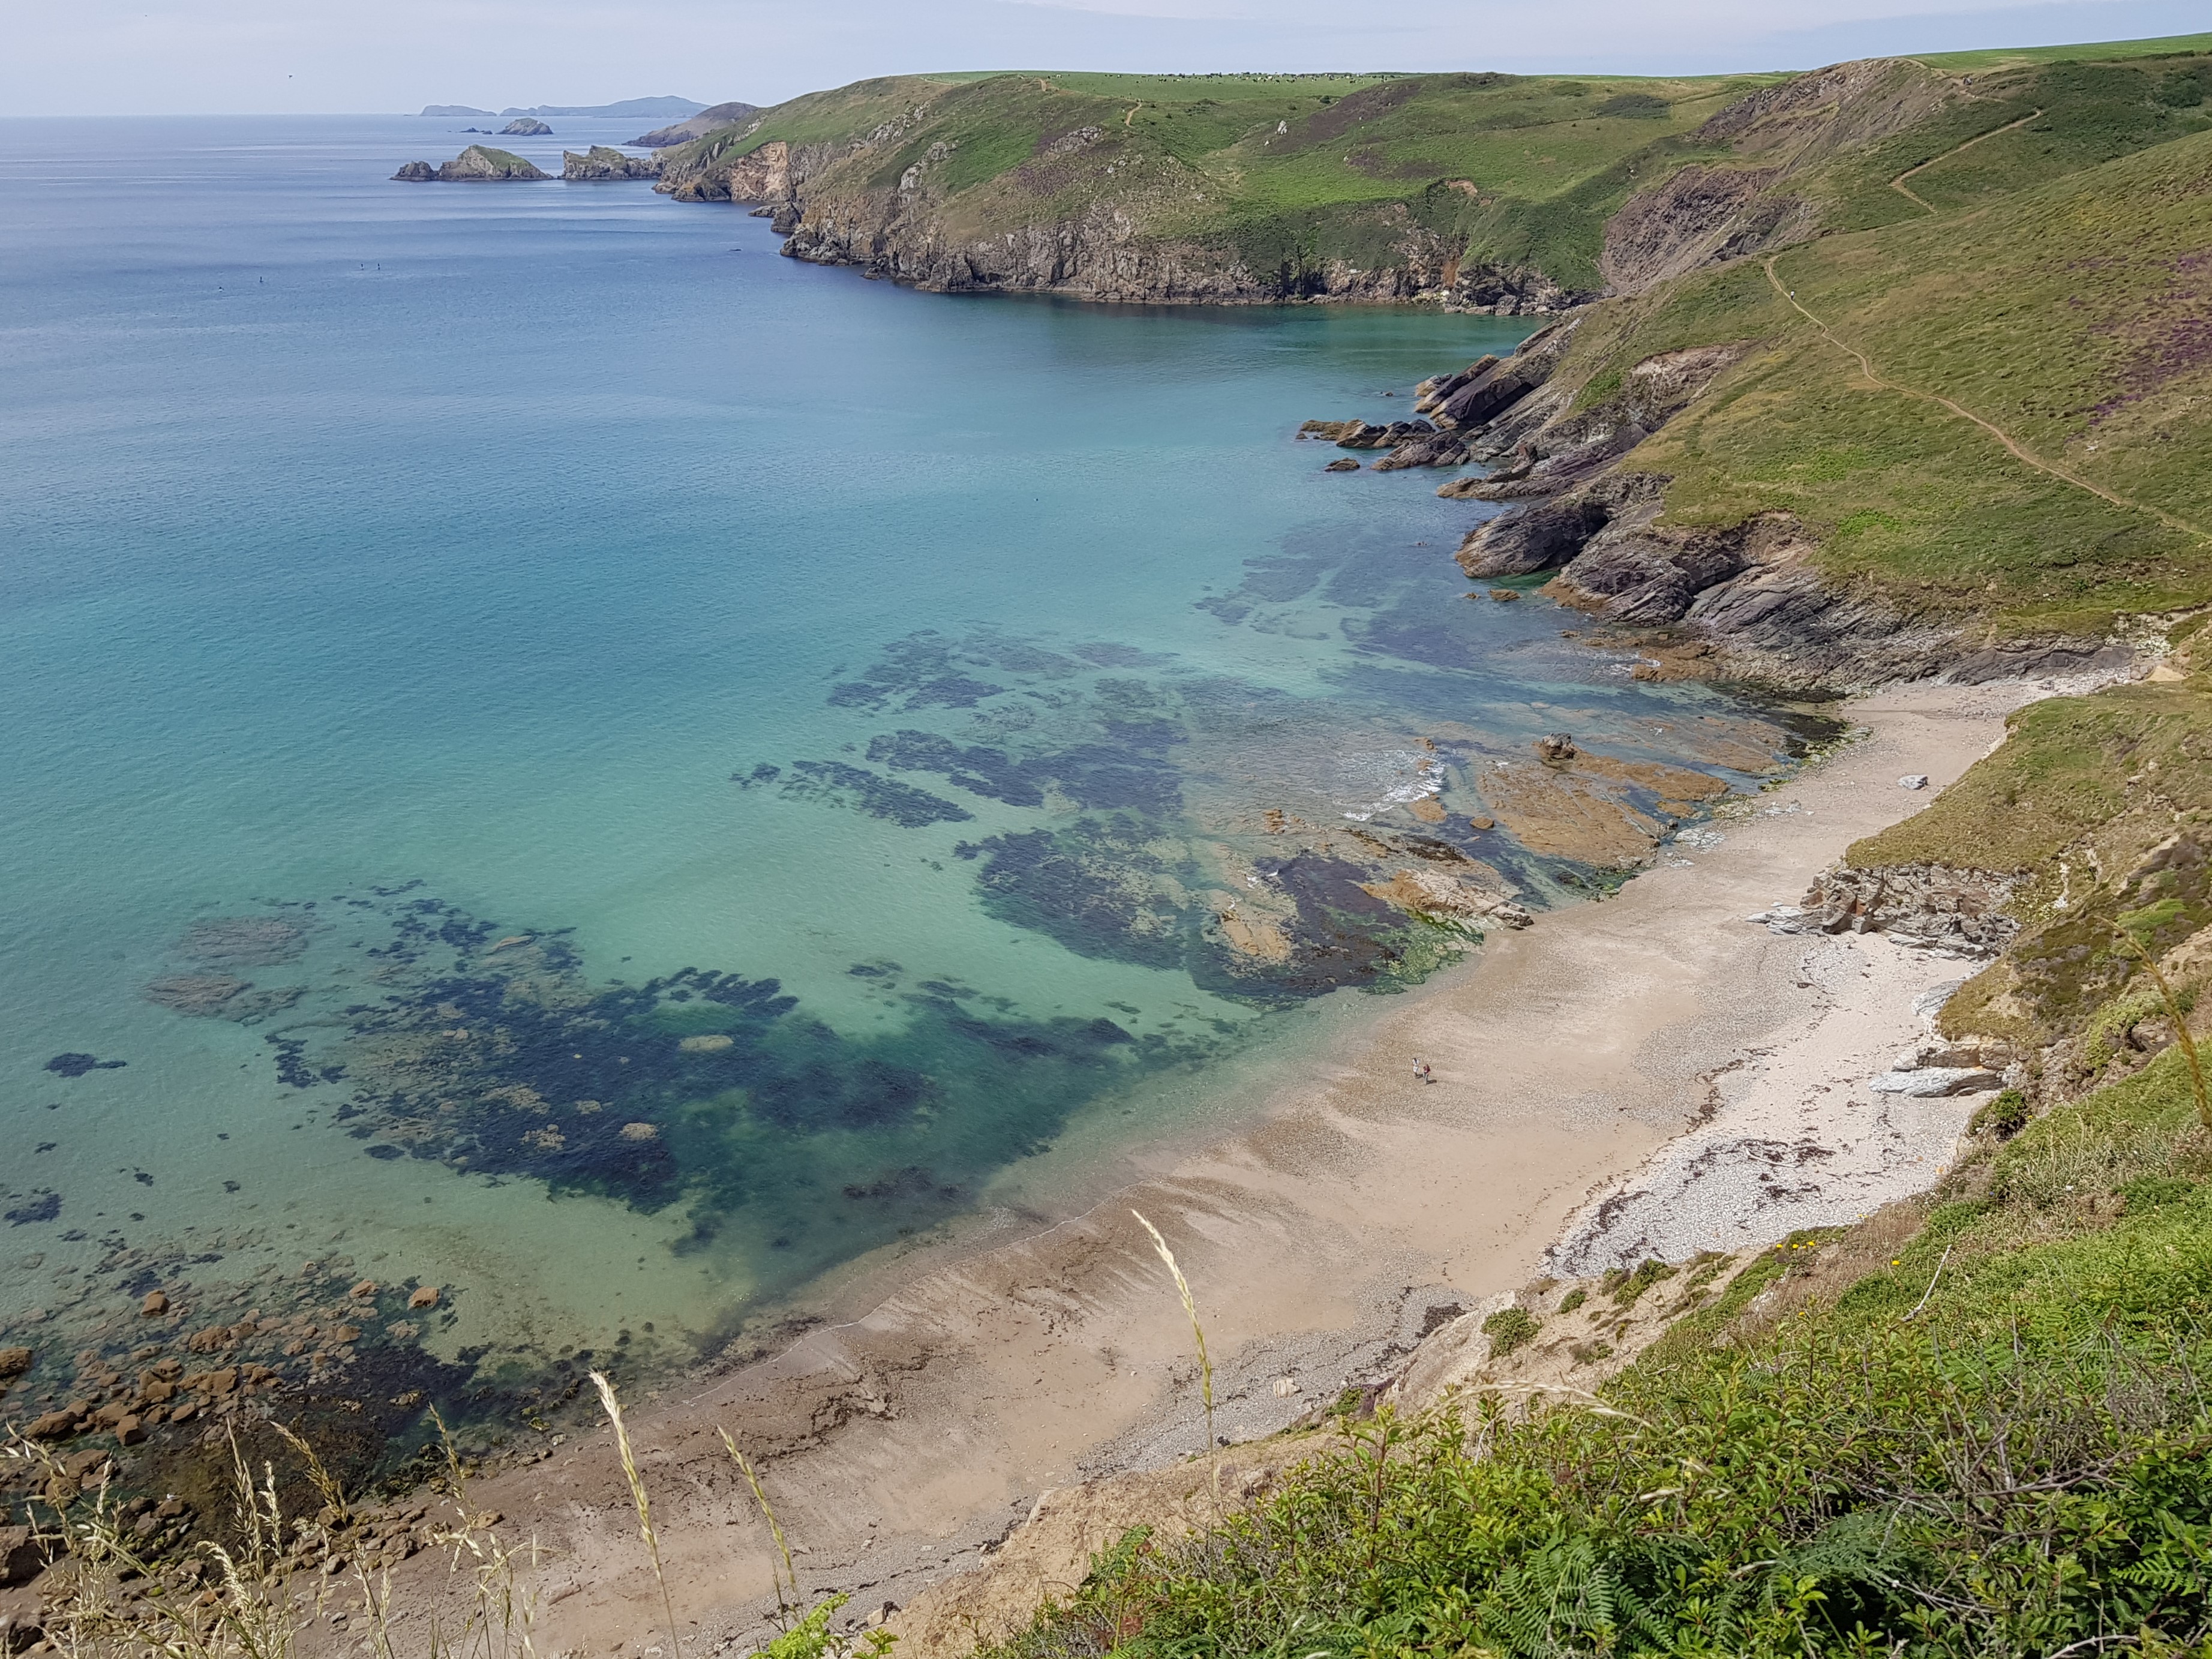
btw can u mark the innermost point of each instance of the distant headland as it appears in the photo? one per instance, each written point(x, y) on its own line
point(639, 109)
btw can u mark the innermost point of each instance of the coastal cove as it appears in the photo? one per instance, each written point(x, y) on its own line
point(566, 759)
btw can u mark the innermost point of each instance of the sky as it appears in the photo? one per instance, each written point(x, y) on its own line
point(209, 56)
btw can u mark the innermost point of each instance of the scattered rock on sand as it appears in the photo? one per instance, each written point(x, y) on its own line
point(1913, 780)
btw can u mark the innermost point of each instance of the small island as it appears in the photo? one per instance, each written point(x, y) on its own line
point(476, 162)
point(600, 162)
point(525, 126)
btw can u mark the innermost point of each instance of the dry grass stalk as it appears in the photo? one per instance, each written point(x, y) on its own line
point(644, 1504)
point(324, 1482)
point(1198, 1332)
point(255, 1599)
point(774, 1526)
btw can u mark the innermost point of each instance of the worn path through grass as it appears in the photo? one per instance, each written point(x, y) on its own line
point(1899, 185)
point(2018, 450)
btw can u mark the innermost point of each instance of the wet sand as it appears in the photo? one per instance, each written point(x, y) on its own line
point(1362, 1208)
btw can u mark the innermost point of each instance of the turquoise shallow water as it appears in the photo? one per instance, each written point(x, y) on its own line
point(636, 770)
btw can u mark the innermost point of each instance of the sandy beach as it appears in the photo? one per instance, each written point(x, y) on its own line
point(1654, 1073)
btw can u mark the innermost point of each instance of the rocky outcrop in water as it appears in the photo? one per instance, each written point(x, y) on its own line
point(600, 163)
point(478, 163)
point(525, 126)
point(1437, 449)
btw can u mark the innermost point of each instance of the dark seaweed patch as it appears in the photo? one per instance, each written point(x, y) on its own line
point(42, 1205)
point(1342, 936)
point(1096, 776)
point(990, 773)
point(1096, 886)
point(836, 784)
point(78, 1065)
point(704, 1087)
point(921, 671)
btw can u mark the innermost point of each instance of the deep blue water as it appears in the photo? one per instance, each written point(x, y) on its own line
point(558, 704)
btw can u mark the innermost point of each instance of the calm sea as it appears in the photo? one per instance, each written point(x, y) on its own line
point(553, 754)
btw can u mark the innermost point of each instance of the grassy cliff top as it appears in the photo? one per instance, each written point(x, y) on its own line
point(2095, 51)
point(1527, 166)
point(1984, 392)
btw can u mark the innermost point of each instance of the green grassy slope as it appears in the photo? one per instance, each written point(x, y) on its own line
point(1522, 169)
point(1514, 172)
point(2093, 51)
point(2073, 314)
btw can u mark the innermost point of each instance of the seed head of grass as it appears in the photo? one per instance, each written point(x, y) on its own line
point(1198, 1334)
point(613, 1408)
point(774, 1526)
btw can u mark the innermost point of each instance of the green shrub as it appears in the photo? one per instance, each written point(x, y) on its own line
point(1626, 1287)
point(2002, 1117)
point(1510, 1328)
point(1574, 1299)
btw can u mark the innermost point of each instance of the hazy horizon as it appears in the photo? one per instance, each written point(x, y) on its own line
point(258, 57)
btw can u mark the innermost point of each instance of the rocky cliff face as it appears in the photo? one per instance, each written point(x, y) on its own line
point(711, 119)
point(477, 164)
point(1706, 212)
point(1752, 589)
point(1103, 253)
point(1093, 213)
point(1928, 905)
point(1117, 244)
point(600, 162)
